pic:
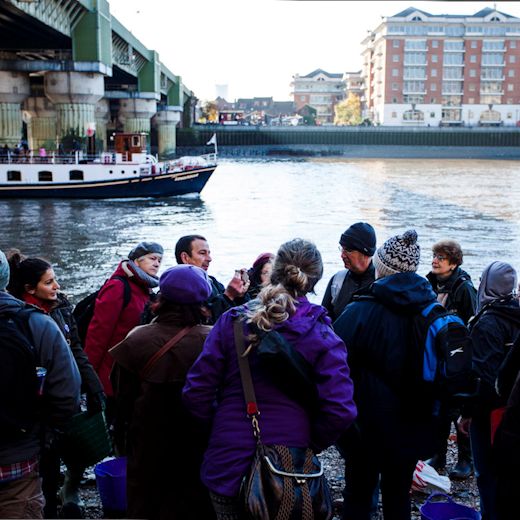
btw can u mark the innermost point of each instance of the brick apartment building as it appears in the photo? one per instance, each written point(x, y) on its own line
point(428, 70)
point(320, 90)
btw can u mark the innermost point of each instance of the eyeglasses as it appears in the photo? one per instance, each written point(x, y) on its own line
point(342, 249)
point(440, 258)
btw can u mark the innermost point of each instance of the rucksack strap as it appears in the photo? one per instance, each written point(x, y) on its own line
point(127, 290)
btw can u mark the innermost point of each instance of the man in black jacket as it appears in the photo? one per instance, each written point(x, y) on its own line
point(194, 250)
point(357, 245)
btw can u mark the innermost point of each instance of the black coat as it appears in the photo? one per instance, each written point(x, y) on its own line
point(493, 331)
point(351, 284)
point(461, 294)
point(62, 315)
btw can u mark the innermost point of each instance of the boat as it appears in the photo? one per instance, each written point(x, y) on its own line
point(127, 172)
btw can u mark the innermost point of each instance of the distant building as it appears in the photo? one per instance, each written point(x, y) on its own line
point(320, 90)
point(354, 84)
point(427, 70)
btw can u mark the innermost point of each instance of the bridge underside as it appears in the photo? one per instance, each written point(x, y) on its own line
point(19, 31)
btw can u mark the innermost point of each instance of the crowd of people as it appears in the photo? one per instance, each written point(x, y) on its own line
point(158, 357)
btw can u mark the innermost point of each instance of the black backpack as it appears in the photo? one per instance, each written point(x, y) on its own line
point(19, 384)
point(84, 309)
point(445, 352)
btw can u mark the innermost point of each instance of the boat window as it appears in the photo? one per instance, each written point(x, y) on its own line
point(14, 175)
point(45, 176)
point(76, 175)
point(135, 171)
point(136, 141)
point(122, 171)
point(111, 171)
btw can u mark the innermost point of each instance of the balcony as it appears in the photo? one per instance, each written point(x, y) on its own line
point(409, 64)
point(502, 49)
point(502, 78)
point(495, 93)
point(414, 93)
point(444, 93)
point(483, 64)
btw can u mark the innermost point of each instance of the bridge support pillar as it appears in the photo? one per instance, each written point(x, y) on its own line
point(102, 119)
point(14, 88)
point(74, 95)
point(41, 123)
point(166, 121)
point(135, 114)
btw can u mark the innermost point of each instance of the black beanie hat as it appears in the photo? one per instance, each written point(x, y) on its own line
point(359, 237)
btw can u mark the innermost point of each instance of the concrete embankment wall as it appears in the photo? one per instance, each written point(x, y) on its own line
point(352, 141)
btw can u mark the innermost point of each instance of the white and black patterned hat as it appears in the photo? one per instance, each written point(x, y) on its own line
point(399, 254)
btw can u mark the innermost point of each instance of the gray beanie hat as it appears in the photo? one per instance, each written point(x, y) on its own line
point(399, 254)
point(145, 248)
point(498, 281)
point(4, 272)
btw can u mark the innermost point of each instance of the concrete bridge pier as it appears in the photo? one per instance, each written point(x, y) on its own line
point(14, 89)
point(40, 116)
point(74, 95)
point(135, 114)
point(102, 120)
point(166, 121)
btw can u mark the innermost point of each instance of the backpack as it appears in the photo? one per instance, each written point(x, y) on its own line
point(18, 380)
point(446, 351)
point(84, 309)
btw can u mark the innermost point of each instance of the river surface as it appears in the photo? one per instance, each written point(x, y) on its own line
point(252, 206)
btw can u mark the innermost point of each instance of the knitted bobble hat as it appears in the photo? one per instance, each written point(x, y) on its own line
point(399, 254)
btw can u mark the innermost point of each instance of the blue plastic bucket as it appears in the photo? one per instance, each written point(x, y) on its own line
point(111, 483)
point(448, 509)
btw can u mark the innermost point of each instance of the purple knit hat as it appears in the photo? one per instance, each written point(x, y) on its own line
point(185, 284)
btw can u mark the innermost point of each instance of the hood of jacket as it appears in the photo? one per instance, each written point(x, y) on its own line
point(9, 303)
point(403, 292)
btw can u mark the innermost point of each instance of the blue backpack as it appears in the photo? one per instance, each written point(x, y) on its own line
point(446, 352)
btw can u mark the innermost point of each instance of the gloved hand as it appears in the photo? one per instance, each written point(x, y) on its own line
point(96, 402)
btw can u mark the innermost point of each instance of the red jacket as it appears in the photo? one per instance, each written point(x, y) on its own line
point(111, 323)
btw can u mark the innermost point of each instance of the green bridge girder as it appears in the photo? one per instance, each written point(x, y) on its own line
point(98, 42)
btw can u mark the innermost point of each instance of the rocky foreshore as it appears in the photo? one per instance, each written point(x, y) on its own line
point(464, 492)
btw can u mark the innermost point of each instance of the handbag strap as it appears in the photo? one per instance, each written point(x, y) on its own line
point(245, 376)
point(165, 348)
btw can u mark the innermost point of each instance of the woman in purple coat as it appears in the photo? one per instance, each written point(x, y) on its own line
point(213, 391)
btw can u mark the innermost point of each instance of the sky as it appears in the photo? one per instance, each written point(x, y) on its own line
point(256, 46)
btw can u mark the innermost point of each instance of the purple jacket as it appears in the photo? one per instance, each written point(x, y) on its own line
point(213, 391)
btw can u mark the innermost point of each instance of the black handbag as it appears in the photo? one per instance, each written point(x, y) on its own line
point(283, 483)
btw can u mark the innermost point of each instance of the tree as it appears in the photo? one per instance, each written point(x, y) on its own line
point(210, 112)
point(348, 111)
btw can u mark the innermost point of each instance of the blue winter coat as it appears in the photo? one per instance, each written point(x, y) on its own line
point(377, 331)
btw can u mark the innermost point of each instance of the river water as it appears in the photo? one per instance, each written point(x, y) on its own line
point(251, 206)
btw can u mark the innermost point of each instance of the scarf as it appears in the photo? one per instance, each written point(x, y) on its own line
point(45, 305)
point(132, 269)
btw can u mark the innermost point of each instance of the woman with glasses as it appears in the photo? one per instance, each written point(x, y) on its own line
point(456, 292)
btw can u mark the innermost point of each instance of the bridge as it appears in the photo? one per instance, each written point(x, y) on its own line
point(70, 70)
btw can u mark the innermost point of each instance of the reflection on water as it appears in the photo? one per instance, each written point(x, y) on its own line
point(250, 206)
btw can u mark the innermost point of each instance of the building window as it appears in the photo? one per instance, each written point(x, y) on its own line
point(395, 73)
point(512, 44)
point(394, 115)
point(435, 44)
point(433, 87)
point(473, 58)
point(395, 58)
point(472, 88)
point(395, 44)
point(395, 86)
point(511, 73)
point(512, 59)
point(509, 115)
point(76, 175)
point(302, 98)
point(435, 58)
point(473, 44)
point(432, 100)
point(471, 100)
point(432, 114)
point(14, 175)
point(45, 176)
point(433, 73)
point(413, 115)
point(510, 88)
point(472, 73)
point(394, 100)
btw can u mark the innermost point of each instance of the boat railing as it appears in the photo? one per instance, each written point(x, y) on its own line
point(211, 158)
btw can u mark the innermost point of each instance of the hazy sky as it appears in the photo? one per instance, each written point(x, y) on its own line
point(256, 46)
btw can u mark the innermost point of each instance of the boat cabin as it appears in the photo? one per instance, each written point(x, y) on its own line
point(128, 144)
